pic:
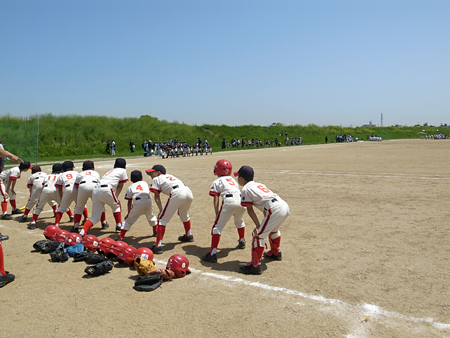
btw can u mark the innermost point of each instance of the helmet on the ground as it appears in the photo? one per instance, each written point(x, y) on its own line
point(223, 168)
point(117, 247)
point(90, 242)
point(127, 255)
point(179, 264)
point(144, 253)
point(104, 244)
point(72, 239)
point(51, 231)
point(62, 235)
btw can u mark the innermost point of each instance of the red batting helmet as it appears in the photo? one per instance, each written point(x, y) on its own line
point(127, 255)
point(90, 242)
point(104, 244)
point(144, 253)
point(117, 247)
point(62, 235)
point(72, 239)
point(223, 168)
point(51, 231)
point(179, 264)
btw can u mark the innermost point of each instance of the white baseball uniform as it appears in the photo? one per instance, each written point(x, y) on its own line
point(36, 183)
point(180, 197)
point(11, 174)
point(48, 195)
point(66, 181)
point(139, 193)
point(85, 183)
point(104, 193)
point(227, 188)
point(276, 210)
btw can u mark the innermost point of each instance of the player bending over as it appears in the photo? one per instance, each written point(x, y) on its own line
point(226, 187)
point(275, 212)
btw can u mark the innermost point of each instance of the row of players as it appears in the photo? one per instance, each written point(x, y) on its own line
point(65, 186)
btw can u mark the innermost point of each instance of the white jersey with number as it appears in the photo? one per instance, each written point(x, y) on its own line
point(66, 181)
point(276, 210)
point(11, 174)
point(48, 195)
point(227, 188)
point(85, 182)
point(114, 177)
point(180, 197)
point(139, 193)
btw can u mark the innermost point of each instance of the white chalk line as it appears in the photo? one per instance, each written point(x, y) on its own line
point(363, 309)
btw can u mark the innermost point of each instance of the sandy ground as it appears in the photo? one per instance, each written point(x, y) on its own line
point(365, 254)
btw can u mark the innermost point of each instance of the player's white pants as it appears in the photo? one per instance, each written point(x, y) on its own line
point(50, 196)
point(36, 190)
point(69, 196)
point(231, 206)
point(142, 205)
point(180, 199)
point(100, 196)
point(275, 216)
point(84, 193)
point(2, 191)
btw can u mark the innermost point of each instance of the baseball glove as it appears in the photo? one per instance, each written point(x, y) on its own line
point(148, 283)
point(40, 244)
point(93, 258)
point(59, 256)
point(99, 269)
point(166, 274)
point(80, 256)
point(143, 266)
point(52, 246)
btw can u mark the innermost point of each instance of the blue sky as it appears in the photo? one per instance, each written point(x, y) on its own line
point(326, 62)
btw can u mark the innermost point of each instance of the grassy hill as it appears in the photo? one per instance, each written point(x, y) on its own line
point(48, 137)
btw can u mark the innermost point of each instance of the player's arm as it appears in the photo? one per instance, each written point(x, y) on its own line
point(216, 204)
point(158, 201)
point(119, 189)
point(6, 192)
point(252, 215)
point(60, 192)
point(129, 206)
point(12, 186)
point(12, 158)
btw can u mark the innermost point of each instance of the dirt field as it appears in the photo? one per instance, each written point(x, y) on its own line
point(365, 254)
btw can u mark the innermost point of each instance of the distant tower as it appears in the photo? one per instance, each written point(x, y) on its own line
point(381, 119)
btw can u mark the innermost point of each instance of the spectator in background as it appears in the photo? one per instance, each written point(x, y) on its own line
point(131, 146)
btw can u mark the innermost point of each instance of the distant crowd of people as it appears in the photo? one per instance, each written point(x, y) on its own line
point(434, 137)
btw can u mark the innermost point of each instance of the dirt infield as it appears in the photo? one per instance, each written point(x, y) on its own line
point(365, 254)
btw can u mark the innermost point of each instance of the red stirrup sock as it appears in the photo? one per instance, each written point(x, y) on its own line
point(103, 217)
point(4, 208)
point(187, 227)
point(2, 266)
point(13, 204)
point(85, 214)
point(118, 217)
point(58, 217)
point(241, 232)
point(122, 233)
point(215, 239)
point(77, 219)
point(160, 234)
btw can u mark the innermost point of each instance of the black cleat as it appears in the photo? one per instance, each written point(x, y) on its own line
point(154, 233)
point(6, 279)
point(105, 225)
point(118, 228)
point(241, 245)
point(31, 226)
point(210, 258)
point(23, 219)
point(270, 255)
point(16, 212)
point(6, 217)
point(251, 270)
point(3, 237)
point(75, 230)
point(157, 250)
point(185, 238)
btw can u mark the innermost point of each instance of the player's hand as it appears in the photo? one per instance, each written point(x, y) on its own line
point(13, 192)
point(6, 196)
point(255, 232)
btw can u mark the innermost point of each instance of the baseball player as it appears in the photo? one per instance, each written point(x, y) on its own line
point(8, 182)
point(85, 183)
point(225, 187)
point(65, 187)
point(275, 212)
point(107, 191)
point(139, 203)
point(35, 185)
point(180, 199)
point(48, 195)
